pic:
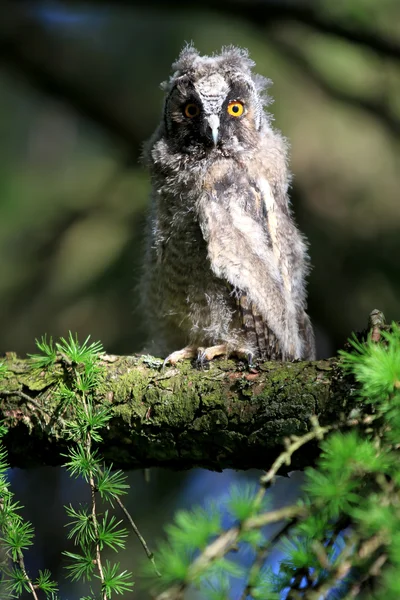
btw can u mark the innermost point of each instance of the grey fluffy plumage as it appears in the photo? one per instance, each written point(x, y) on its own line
point(225, 265)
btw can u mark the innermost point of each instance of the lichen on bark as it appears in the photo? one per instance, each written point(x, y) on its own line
point(228, 415)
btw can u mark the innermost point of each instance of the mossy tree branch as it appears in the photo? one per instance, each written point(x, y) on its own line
point(228, 416)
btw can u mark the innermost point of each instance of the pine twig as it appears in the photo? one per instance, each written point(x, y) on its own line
point(149, 553)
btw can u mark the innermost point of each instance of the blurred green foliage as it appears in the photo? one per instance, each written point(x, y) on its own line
point(73, 199)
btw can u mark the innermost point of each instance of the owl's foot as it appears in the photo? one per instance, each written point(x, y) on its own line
point(245, 355)
point(178, 355)
point(206, 354)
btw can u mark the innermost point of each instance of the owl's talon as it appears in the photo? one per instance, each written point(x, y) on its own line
point(250, 358)
point(200, 359)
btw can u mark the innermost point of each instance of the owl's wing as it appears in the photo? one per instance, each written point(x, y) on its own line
point(258, 333)
point(290, 249)
point(234, 222)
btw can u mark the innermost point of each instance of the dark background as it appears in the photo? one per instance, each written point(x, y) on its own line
point(79, 93)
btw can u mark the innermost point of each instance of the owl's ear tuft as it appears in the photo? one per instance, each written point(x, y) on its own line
point(186, 58)
point(236, 58)
point(183, 64)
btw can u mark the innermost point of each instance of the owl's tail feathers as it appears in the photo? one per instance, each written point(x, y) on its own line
point(258, 334)
point(307, 337)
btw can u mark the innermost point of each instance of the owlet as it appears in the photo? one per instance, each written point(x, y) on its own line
point(225, 265)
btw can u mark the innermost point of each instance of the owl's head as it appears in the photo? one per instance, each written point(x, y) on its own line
point(214, 103)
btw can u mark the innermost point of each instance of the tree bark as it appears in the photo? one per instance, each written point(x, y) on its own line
point(227, 416)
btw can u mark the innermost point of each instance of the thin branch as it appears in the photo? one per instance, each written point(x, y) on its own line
point(92, 484)
point(150, 554)
point(26, 398)
point(363, 550)
point(227, 541)
point(373, 572)
point(261, 556)
point(288, 512)
point(21, 563)
point(96, 530)
point(291, 447)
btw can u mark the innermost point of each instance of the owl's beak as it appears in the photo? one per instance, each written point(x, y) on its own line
point(213, 125)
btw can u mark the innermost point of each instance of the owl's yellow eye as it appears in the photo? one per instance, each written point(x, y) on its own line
point(191, 110)
point(235, 108)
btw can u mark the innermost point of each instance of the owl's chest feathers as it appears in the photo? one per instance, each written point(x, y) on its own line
point(179, 194)
point(182, 242)
point(192, 293)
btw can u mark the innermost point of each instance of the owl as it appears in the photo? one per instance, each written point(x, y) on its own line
point(225, 265)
